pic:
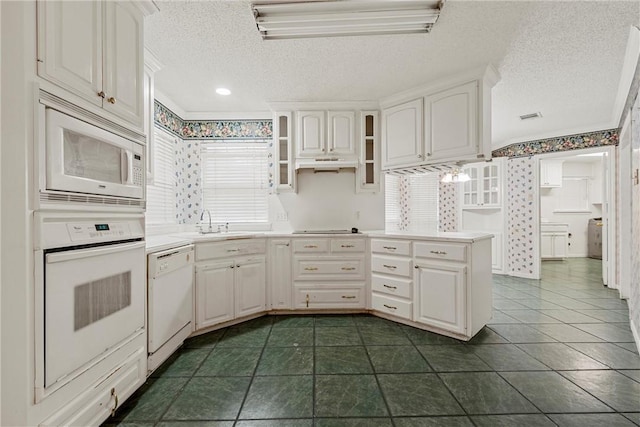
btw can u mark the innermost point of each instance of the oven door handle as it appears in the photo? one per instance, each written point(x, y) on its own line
point(92, 252)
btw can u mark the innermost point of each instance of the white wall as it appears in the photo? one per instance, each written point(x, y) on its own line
point(329, 201)
point(550, 200)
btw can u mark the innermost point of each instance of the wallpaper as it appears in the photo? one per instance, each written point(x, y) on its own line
point(447, 205)
point(190, 135)
point(521, 191)
point(561, 143)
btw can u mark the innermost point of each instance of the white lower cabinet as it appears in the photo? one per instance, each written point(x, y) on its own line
point(280, 274)
point(440, 296)
point(391, 277)
point(553, 245)
point(229, 287)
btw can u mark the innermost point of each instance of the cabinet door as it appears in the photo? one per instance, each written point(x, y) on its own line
point(341, 139)
point(550, 173)
point(311, 140)
point(402, 140)
point(70, 46)
point(441, 301)
point(451, 122)
point(214, 293)
point(124, 62)
point(250, 286)
point(559, 242)
point(280, 266)
point(546, 245)
point(285, 172)
point(491, 185)
point(471, 189)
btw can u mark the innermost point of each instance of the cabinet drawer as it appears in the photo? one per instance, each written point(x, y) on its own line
point(391, 265)
point(391, 305)
point(94, 405)
point(230, 248)
point(443, 251)
point(395, 247)
point(328, 268)
point(391, 285)
point(311, 245)
point(324, 297)
point(347, 245)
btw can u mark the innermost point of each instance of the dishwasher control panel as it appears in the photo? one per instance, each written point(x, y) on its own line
point(165, 262)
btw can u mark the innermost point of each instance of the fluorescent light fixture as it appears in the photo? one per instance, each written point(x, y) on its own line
point(223, 91)
point(455, 176)
point(591, 155)
point(321, 18)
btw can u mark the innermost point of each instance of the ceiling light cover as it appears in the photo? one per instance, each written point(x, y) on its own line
point(307, 19)
point(223, 91)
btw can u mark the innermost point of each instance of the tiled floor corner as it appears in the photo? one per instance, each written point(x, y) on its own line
point(558, 351)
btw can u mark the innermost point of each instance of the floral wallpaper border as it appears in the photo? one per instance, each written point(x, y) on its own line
point(562, 143)
point(211, 129)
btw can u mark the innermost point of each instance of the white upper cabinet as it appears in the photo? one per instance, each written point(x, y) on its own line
point(94, 50)
point(451, 118)
point(341, 135)
point(550, 173)
point(311, 139)
point(402, 142)
point(317, 138)
point(484, 187)
point(442, 122)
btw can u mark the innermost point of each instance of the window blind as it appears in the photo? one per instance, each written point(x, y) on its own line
point(235, 181)
point(411, 203)
point(161, 195)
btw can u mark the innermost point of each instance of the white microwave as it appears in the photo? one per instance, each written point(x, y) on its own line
point(83, 158)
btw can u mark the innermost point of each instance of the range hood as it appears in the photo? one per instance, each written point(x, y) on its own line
point(326, 163)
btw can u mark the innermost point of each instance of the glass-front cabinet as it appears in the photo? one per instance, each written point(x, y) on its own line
point(368, 171)
point(284, 173)
point(484, 186)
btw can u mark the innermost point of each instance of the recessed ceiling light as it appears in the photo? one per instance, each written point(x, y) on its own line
point(223, 91)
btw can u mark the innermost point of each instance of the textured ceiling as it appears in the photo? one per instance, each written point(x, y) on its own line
point(562, 59)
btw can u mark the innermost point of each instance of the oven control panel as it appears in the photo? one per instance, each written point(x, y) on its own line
point(83, 231)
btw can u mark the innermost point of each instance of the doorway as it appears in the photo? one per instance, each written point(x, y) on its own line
point(575, 215)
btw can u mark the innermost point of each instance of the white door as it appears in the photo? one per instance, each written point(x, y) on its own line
point(214, 293)
point(124, 62)
point(94, 299)
point(402, 139)
point(441, 301)
point(311, 140)
point(605, 219)
point(250, 286)
point(280, 266)
point(70, 46)
point(451, 122)
point(341, 139)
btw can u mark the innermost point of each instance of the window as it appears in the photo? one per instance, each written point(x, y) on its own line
point(574, 195)
point(235, 181)
point(411, 203)
point(161, 193)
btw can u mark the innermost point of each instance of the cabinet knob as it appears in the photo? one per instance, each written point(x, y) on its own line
point(428, 154)
point(416, 266)
point(111, 100)
point(330, 149)
point(101, 94)
point(420, 156)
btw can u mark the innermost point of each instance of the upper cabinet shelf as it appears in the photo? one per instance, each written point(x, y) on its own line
point(444, 122)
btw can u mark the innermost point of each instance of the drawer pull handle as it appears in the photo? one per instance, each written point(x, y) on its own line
point(393, 267)
point(348, 296)
point(391, 248)
point(310, 246)
point(348, 268)
point(346, 246)
point(233, 250)
point(438, 252)
point(390, 287)
point(390, 307)
point(311, 268)
point(115, 406)
point(307, 300)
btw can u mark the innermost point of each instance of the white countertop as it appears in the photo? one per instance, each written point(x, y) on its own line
point(161, 242)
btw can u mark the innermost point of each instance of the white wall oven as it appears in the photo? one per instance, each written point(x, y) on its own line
point(90, 291)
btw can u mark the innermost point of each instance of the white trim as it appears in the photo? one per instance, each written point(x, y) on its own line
point(631, 58)
point(225, 115)
point(168, 102)
point(151, 61)
point(324, 105)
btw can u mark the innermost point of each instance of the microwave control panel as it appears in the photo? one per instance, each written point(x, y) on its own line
point(137, 170)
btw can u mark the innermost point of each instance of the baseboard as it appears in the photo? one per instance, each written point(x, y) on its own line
point(636, 334)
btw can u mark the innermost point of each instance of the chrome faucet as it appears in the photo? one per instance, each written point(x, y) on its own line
point(201, 217)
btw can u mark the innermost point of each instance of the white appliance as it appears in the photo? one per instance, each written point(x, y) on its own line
point(90, 292)
point(170, 296)
point(83, 158)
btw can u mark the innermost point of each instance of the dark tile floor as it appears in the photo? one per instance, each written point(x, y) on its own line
point(558, 351)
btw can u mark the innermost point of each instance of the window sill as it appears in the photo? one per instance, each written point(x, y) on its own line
point(581, 211)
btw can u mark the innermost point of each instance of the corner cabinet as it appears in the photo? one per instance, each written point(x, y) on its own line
point(280, 274)
point(94, 50)
point(443, 122)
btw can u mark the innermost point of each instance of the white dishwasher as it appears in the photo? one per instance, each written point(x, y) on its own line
point(170, 302)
